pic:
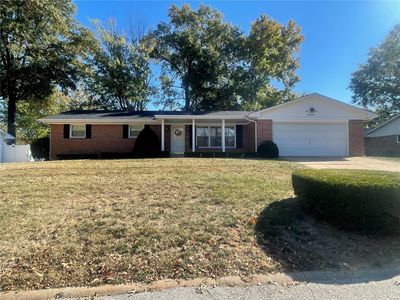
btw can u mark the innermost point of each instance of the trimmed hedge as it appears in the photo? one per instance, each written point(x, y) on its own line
point(268, 149)
point(366, 201)
point(41, 148)
point(221, 154)
point(76, 156)
point(147, 144)
point(153, 154)
point(113, 155)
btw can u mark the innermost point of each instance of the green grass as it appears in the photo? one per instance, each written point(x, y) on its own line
point(364, 200)
point(77, 223)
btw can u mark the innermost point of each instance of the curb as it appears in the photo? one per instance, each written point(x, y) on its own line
point(109, 289)
point(285, 279)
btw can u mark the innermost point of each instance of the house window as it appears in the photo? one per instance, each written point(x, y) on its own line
point(230, 136)
point(398, 139)
point(77, 131)
point(210, 136)
point(202, 136)
point(215, 136)
point(134, 131)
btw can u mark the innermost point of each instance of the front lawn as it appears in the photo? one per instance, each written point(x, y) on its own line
point(76, 223)
point(70, 223)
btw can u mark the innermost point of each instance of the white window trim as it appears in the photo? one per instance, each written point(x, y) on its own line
point(76, 137)
point(209, 136)
point(398, 139)
point(129, 130)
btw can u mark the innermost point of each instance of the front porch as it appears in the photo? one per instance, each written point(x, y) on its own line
point(202, 133)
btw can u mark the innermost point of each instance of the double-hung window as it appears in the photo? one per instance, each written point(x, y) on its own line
point(134, 131)
point(202, 136)
point(230, 136)
point(215, 137)
point(77, 131)
point(211, 136)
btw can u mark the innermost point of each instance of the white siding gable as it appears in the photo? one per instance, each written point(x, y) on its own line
point(390, 128)
point(311, 108)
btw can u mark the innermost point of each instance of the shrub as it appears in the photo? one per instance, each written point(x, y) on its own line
point(77, 156)
point(192, 154)
point(367, 201)
point(221, 154)
point(268, 149)
point(113, 155)
point(207, 154)
point(235, 154)
point(147, 144)
point(40, 148)
point(250, 154)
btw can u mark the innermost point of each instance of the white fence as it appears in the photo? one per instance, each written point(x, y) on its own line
point(16, 153)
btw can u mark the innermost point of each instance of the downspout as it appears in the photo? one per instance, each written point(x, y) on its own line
point(255, 132)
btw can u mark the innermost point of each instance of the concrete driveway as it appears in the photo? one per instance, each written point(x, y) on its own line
point(364, 163)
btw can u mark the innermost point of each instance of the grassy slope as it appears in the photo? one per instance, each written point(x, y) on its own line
point(92, 222)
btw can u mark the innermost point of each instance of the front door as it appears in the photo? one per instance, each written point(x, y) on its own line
point(177, 139)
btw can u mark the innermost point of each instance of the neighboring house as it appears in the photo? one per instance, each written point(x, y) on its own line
point(13, 153)
point(313, 125)
point(4, 137)
point(384, 139)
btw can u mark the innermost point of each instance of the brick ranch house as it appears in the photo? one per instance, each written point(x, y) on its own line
point(384, 139)
point(313, 125)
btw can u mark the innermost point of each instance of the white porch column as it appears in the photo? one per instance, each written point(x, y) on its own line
point(162, 135)
point(193, 135)
point(223, 135)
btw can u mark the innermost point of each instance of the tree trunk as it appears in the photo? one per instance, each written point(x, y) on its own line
point(11, 111)
point(187, 96)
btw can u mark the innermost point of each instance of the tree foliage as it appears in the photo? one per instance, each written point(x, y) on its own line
point(28, 113)
point(209, 64)
point(41, 46)
point(376, 84)
point(120, 77)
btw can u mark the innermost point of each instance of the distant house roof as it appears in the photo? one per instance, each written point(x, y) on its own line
point(118, 116)
point(390, 131)
point(6, 135)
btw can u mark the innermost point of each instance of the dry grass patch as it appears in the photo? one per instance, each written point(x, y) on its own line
point(91, 222)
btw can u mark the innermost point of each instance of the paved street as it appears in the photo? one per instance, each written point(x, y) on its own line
point(370, 284)
point(386, 289)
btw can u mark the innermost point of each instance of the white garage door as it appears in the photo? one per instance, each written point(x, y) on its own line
point(310, 139)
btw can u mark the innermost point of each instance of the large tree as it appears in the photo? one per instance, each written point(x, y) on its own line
point(41, 47)
point(120, 76)
point(271, 57)
point(376, 84)
point(209, 64)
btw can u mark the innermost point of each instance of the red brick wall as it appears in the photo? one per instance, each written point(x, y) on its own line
point(356, 137)
point(105, 138)
point(264, 131)
point(382, 145)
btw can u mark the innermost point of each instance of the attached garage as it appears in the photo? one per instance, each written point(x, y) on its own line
point(313, 125)
point(311, 139)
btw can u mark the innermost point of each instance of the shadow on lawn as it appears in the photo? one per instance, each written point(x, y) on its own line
point(301, 243)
